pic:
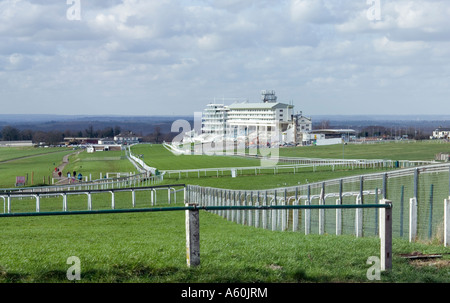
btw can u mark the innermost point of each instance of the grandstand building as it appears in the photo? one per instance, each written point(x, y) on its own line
point(266, 121)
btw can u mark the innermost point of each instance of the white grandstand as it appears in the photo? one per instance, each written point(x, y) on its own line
point(268, 122)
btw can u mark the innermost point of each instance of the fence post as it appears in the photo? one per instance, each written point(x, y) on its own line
point(386, 235)
point(446, 222)
point(284, 212)
point(412, 219)
point(322, 211)
point(359, 211)
point(257, 211)
point(133, 198)
point(274, 212)
point(9, 203)
point(264, 212)
point(38, 203)
point(192, 236)
point(358, 218)
point(308, 213)
point(113, 202)
point(89, 196)
point(64, 202)
point(430, 219)
point(338, 218)
point(295, 212)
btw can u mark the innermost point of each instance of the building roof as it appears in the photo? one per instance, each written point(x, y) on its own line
point(259, 105)
point(332, 131)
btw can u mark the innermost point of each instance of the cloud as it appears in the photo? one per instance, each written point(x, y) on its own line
point(165, 56)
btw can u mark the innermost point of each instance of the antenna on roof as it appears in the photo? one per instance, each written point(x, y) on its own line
point(268, 96)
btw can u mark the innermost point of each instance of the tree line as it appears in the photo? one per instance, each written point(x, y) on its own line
point(56, 137)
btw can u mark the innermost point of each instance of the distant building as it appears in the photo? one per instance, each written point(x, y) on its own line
point(106, 141)
point(268, 120)
point(127, 138)
point(80, 140)
point(103, 147)
point(16, 143)
point(441, 133)
point(330, 136)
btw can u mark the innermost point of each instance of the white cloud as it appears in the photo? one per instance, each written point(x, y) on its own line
point(167, 51)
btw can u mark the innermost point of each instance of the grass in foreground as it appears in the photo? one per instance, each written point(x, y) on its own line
point(150, 247)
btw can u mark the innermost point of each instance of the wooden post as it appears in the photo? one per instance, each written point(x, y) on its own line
point(192, 237)
point(64, 202)
point(412, 219)
point(386, 235)
point(133, 198)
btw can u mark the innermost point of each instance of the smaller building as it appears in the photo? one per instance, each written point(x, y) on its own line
point(101, 147)
point(441, 133)
point(330, 136)
point(16, 143)
point(127, 138)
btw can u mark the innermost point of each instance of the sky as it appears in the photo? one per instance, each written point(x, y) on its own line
point(169, 57)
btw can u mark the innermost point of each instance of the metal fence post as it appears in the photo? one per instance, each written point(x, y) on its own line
point(192, 236)
point(412, 219)
point(386, 235)
point(9, 203)
point(446, 222)
point(308, 213)
point(295, 212)
point(64, 202)
point(338, 218)
point(322, 211)
point(89, 197)
point(38, 203)
point(359, 211)
point(113, 202)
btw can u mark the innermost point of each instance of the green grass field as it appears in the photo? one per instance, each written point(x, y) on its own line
point(156, 155)
point(401, 150)
point(99, 163)
point(150, 247)
point(36, 163)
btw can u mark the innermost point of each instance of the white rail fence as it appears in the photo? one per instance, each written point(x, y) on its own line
point(419, 197)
